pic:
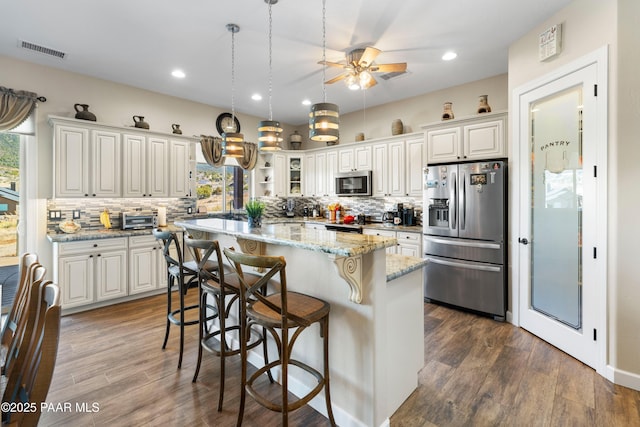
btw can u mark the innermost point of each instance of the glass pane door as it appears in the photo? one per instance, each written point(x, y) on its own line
point(556, 206)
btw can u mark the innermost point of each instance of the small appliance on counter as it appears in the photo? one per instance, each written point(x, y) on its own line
point(387, 218)
point(289, 208)
point(138, 220)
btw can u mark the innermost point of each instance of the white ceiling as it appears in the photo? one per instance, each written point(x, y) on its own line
point(140, 42)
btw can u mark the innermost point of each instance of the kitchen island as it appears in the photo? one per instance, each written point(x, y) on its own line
point(376, 321)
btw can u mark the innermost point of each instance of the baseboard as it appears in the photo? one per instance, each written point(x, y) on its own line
point(623, 378)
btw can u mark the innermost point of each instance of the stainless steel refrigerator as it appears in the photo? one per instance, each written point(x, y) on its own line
point(465, 230)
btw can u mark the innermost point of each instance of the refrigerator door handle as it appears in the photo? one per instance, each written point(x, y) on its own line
point(463, 202)
point(453, 201)
point(465, 265)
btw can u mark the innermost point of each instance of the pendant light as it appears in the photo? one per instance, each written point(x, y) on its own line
point(324, 118)
point(233, 143)
point(269, 131)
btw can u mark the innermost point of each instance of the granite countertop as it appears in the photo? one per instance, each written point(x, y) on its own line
point(399, 265)
point(103, 233)
point(294, 234)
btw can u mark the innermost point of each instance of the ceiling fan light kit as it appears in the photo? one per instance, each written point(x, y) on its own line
point(233, 143)
point(270, 131)
point(324, 117)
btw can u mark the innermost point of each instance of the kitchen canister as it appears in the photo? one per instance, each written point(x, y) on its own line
point(483, 104)
point(397, 127)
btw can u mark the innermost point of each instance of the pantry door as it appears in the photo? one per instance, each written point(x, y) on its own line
point(561, 262)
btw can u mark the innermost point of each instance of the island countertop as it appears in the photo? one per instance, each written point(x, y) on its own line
point(294, 234)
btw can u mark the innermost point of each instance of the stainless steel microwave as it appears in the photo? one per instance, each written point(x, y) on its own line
point(355, 183)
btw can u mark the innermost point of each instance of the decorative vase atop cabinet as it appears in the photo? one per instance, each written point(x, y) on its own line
point(84, 113)
point(483, 106)
point(397, 128)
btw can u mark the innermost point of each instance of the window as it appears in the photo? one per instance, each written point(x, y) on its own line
point(220, 189)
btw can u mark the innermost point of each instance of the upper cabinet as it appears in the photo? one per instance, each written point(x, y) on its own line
point(473, 138)
point(356, 158)
point(98, 160)
point(295, 174)
point(87, 162)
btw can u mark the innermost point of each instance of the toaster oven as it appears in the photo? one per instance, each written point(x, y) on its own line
point(138, 220)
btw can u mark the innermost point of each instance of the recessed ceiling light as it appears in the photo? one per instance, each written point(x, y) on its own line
point(256, 97)
point(306, 102)
point(179, 74)
point(449, 56)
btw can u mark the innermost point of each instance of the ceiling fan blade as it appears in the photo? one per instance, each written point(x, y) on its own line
point(389, 68)
point(332, 64)
point(337, 78)
point(372, 82)
point(369, 55)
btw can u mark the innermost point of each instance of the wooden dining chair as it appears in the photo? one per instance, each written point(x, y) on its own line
point(223, 286)
point(28, 384)
point(285, 315)
point(15, 324)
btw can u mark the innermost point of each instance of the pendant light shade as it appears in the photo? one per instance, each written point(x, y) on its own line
point(233, 143)
point(269, 135)
point(324, 117)
point(270, 131)
point(324, 122)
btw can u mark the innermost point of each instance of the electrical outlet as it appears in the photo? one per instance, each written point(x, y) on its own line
point(55, 215)
point(58, 215)
point(76, 214)
point(189, 210)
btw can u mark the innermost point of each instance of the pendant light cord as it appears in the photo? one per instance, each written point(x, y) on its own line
point(324, 49)
point(233, 30)
point(270, 69)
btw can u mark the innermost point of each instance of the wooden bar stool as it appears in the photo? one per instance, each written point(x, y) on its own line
point(182, 275)
point(288, 313)
point(223, 286)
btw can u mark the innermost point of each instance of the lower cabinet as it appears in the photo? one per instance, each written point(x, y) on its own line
point(409, 243)
point(147, 267)
point(91, 271)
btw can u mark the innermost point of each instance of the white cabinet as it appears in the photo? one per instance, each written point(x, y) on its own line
point(180, 168)
point(415, 163)
point(145, 163)
point(280, 173)
point(319, 171)
point(309, 179)
point(356, 158)
point(330, 172)
point(388, 169)
point(89, 271)
point(87, 162)
point(409, 244)
point(147, 267)
point(295, 175)
point(475, 138)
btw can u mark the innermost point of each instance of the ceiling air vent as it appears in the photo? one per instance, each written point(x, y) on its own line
point(389, 76)
point(41, 49)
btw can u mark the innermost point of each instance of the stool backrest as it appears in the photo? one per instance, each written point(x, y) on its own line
point(203, 251)
point(275, 265)
point(169, 241)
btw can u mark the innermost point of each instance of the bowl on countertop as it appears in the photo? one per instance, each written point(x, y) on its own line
point(69, 227)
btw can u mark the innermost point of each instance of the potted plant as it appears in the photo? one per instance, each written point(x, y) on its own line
point(255, 209)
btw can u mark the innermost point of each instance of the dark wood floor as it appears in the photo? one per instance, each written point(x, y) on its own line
point(477, 372)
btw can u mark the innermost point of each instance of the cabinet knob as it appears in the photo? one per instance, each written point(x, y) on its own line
point(86, 195)
point(90, 256)
point(98, 254)
point(94, 195)
point(95, 245)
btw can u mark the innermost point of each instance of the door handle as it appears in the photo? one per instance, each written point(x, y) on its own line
point(523, 240)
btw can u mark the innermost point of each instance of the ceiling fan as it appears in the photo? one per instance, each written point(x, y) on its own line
point(359, 68)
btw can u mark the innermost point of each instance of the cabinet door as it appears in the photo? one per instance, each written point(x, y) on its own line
point(346, 161)
point(396, 168)
point(409, 244)
point(106, 161)
point(157, 173)
point(380, 171)
point(71, 161)
point(295, 179)
point(363, 155)
point(443, 145)
point(111, 275)
point(310, 180)
point(414, 164)
point(134, 160)
point(331, 170)
point(322, 177)
point(484, 140)
point(280, 171)
point(142, 270)
point(75, 278)
point(179, 164)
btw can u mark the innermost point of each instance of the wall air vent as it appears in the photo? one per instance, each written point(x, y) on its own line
point(389, 76)
point(41, 49)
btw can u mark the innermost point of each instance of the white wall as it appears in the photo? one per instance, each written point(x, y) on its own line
point(587, 26)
